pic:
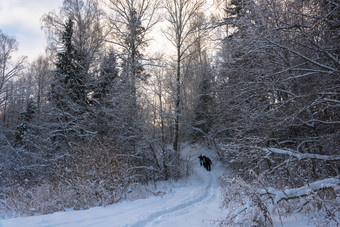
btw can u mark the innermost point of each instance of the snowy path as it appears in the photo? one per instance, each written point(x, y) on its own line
point(195, 203)
point(187, 204)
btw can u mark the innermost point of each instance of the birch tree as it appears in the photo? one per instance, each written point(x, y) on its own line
point(40, 70)
point(129, 23)
point(88, 30)
point(9, 69)
point(180, 15)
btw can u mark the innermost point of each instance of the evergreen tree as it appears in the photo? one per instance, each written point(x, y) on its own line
point(25, 118)
point(105, 91)
point(202, 119)
point(103, 87)
point(68, 86)
point(133, 71)
point(135, 19)
point(134, 44)
point(69, 92)
point(234, 8)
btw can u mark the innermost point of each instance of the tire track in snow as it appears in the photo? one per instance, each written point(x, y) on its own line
point(206, 194)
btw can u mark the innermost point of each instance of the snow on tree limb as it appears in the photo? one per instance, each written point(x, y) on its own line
point(303, 56)
point(293, 193)
point(301, 156)
point(268, 198)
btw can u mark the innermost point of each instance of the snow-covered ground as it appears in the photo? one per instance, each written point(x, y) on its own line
point(194, 202)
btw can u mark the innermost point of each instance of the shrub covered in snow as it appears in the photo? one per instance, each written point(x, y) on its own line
point(254, 203)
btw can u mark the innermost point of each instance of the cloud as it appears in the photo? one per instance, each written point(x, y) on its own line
point(21, 19)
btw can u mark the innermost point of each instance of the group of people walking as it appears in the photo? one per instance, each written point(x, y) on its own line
point(205, 161)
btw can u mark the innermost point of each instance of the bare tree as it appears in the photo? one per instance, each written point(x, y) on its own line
point(180, 15)
point(40, 70)
point(156, 97)
point(8, 69)
point(89, 32)
point(130, 22)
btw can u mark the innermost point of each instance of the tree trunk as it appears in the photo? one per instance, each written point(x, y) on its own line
point(178, 98)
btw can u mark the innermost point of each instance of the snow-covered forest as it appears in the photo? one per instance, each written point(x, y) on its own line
point(124, 84)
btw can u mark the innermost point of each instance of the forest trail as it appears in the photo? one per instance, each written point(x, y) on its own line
point(192, 203)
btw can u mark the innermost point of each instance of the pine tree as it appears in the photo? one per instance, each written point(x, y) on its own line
point(103, 98)
point(103, 87)
point(25, 118)
point(68, 86)
point(135, 19)
point(69, 92)
point(134, 44)
point(202, 119)
point(234, 8)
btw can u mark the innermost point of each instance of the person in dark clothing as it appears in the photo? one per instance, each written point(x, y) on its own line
point(201, 159)
point(204, 160)
point(208, 164)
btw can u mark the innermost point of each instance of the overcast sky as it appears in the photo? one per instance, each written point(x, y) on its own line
point(21, 19)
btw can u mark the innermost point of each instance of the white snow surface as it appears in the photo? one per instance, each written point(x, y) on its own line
point(194, 202)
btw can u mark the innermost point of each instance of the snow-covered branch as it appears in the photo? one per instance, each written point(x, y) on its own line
point(293, 193)
point(305, 57)
point(301, 156)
